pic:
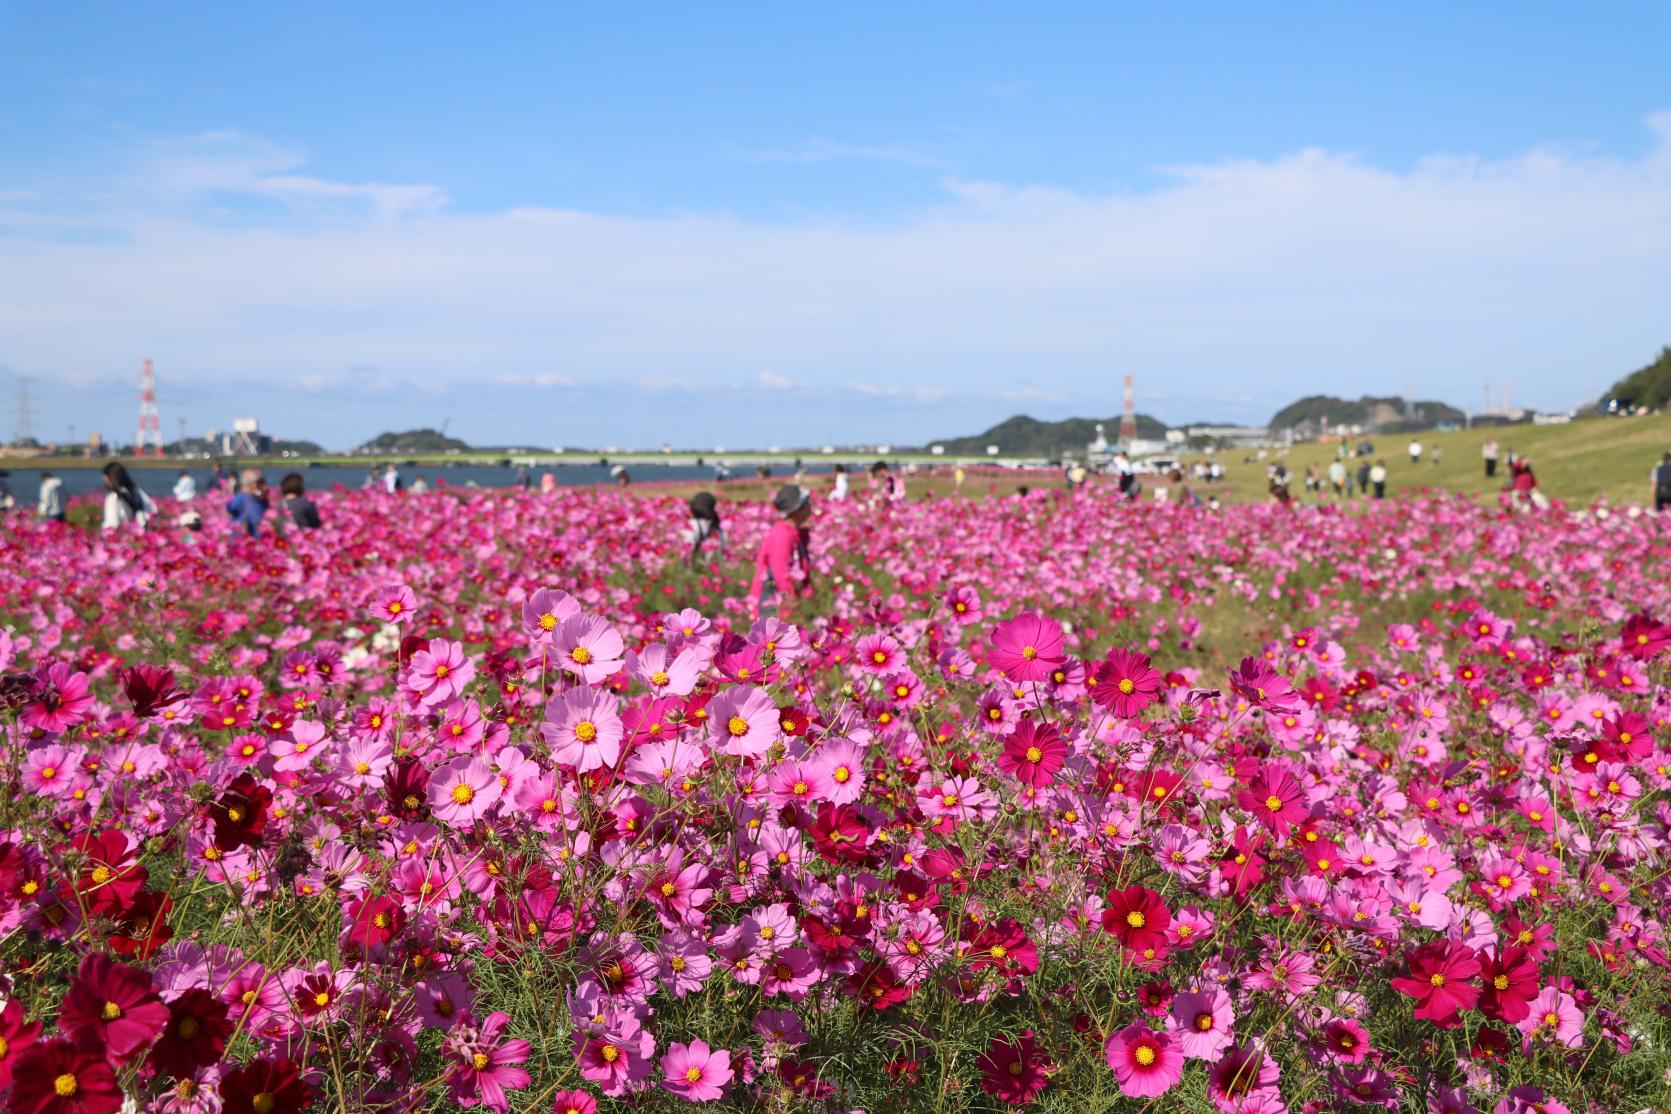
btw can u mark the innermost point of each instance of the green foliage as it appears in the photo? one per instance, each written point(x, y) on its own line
point(414, 441)
point(1648, 387)
point(1026, 436)
point(1391, 412)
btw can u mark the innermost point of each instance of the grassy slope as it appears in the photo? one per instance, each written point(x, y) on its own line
point(1574, 463)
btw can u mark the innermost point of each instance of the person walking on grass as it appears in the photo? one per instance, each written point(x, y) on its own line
point(1488, 452)
point(1662, 484)
point(1415, 452)
point(786, 545)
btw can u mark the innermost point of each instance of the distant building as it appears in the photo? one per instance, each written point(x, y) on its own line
point(1233, 436)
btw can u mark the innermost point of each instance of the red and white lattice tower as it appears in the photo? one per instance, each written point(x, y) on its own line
point(150, 426)
point(1128, 418)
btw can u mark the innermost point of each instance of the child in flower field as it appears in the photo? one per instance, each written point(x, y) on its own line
point(461, 819)
point(785, 548)
point(704, 523)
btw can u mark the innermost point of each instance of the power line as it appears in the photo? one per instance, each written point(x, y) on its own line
point(23, 424)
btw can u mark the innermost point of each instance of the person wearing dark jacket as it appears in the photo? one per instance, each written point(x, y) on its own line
point(1662, 484)
point(249, 506)
point(302, 510)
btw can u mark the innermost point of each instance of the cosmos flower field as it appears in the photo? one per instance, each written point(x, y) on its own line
point(486, 799)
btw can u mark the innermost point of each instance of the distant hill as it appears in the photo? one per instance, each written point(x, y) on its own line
point(1648, 387)
point(413, 441)
point(1391, 413)
point(1025, 436)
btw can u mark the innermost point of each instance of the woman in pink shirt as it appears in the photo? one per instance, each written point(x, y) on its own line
point(785, 545)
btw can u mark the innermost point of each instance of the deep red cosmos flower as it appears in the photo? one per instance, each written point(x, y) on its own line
point(1138, 917)
point(1004, 945)
point(112, 1006)
point(142, 927)
point(17, 1035)
point(1015, 1069)
point(58, 1078)
point(840, 834)
point(875, 986)
point(1644, 636)
point(1263, 687)
point(1438, 980)
point(240, 816)
point(1509, 982)
point(1033, 753)
point(195, 1036)
point(1126, 683)
point(264, 1087)
point(109, 877)
point(150, 689)
point(1275, 798)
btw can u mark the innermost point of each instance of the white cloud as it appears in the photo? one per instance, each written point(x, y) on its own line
point(1312, 272)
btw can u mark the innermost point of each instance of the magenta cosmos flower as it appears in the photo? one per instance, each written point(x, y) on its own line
point(583, 729)
point(394, 603)
point(1126, 683)
point(1028, 647)
point(1276, 799)
point(1145, 1062)
point(462, 791)
point(1440, 980)
point(695, 1072)
point(1033, 753)
point(1201, 1020)
point(60, 700)
point(440, 673)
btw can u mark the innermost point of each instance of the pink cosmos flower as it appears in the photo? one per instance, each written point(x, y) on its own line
point(440, 673)
point(52, 771)
point(484, 1064)
point(1202, 1022)
point(1276, 799)
point(878, 653)
point(394, 603)
point(743, 722)
point(59, 701)
point(297, 748)
point(1126, 683)
point(588, 647)
point(1028, 647)
point(664, 672)
point(1263, 687)
point(364, 762)
point(574, 1102)
point(583, 729)
point(545, 611)
point(1145, 1062)
point(463, 791)
point(842, 763)
point(695, 1072)
point(1554, 1016)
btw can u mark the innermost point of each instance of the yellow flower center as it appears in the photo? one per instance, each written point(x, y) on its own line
point(693, 1075)
point(1204, 1022)
point(1274, 803)
point(737, 726)
point(463, 794)
point(580, 655)
point(479, 1060)
point(64, 1086)
point(1126, 686)
point(586, 731)
point(1144, 1055)
point(1437, 980)
point(1034, 754)
point(1136, 919)
point(1028, 653)
point(112, 1011)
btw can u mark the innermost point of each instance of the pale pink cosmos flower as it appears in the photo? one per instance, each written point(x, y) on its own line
point(588, 647)
point(664, 672)
point(394, 603)
point(1555, 1016)
point(1202, 1022)
point(743, 721)
point(583, 729)
point(51, 771)
point(545, 611)
point(841, 762)
point(462, 791)
point(695, 1072)
point(440, 673)
point(297, 748)
point(961, 799)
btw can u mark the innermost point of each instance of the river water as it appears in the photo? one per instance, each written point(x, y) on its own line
point(159, 482)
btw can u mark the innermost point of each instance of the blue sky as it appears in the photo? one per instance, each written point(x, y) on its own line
point(763, 224)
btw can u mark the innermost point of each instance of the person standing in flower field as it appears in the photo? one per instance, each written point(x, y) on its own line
point(51, 501)
point(704, 524)
point(786, 544)
point(1415, 452)
point(1662, 484)
point(1488, 452)
point(1378, 478)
